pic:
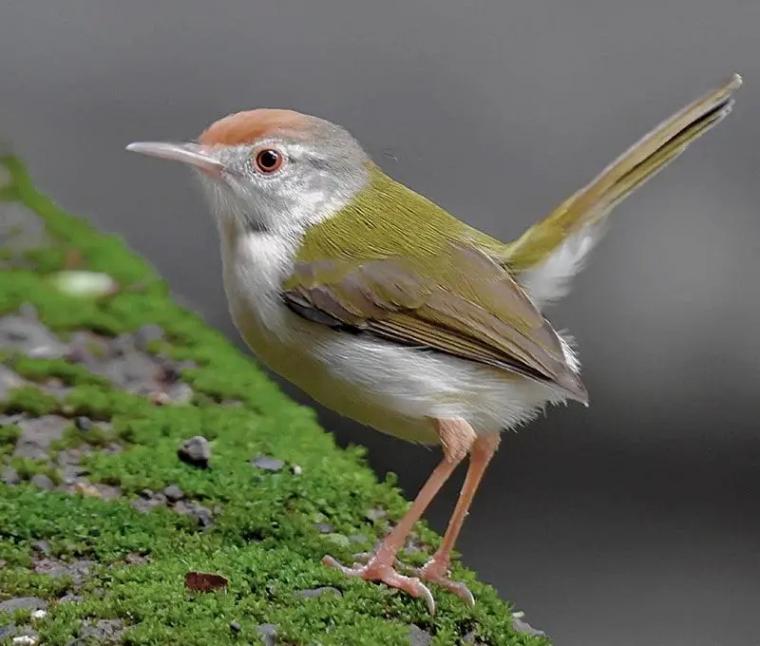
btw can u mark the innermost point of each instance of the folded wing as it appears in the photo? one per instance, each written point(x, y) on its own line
point(465, 306)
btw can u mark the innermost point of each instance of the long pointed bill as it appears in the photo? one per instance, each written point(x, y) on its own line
point(192, 154)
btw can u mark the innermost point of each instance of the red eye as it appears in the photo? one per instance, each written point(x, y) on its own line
point(268, 161)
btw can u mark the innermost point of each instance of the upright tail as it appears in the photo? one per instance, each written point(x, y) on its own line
point(552, 251)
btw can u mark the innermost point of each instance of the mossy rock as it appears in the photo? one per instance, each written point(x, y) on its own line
point(102, 378)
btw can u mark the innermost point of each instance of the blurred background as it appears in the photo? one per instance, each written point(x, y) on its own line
point(632, 522)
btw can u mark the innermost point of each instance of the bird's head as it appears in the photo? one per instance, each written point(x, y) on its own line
point(270, 170)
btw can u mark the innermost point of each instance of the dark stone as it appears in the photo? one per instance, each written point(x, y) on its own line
point(173, 493)
point(268, 634)
point(267, 463)
point(23, 603)
point(314, 593)
point(196, 451)
point(419, 637)
point(43, 482)
point(235, 627)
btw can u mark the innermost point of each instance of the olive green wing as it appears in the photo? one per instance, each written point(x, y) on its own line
point(461, 303)
point(548, 254)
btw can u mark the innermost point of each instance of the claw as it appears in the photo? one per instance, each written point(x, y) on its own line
point(434, 572)
point(376, 570)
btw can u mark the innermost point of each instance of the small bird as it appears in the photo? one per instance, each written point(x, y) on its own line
point(387, 309)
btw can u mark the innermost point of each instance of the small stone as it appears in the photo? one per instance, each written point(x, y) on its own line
point(104, 631)
point(196, 451)
point(319, 592)
point(375, 514)
point(419, 637)
point(23, 603)
point(83, 423)
point(70, 598)
point(235, 627)
point(84, 284)
point(37, 434)
point(524, 627)
point(42, 481)
point(268, 634)
point(38, 615)
point(43, 547)
point(201, 514)
point(10, 476)
point(77, 570)
point(25, 640)
point(324, 528)
point(173, 493)
point(267, 463)
point(133, 558)
point(8, 381)
point(147, 334)
point(297, 470)
point(31, 338)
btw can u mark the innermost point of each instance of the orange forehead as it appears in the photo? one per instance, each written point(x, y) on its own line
point(247, 127)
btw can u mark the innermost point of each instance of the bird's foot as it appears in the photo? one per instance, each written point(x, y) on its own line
point(436, 570)
point(377, 569)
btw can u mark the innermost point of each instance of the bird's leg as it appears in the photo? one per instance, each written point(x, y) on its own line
point(436, 570)
point(456, 438)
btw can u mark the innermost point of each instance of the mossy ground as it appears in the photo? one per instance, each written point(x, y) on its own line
point(264, 537)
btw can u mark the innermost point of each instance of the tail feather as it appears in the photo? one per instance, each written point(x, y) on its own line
point(548, 254)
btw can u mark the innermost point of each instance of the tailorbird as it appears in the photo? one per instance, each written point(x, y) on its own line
point(387, 309)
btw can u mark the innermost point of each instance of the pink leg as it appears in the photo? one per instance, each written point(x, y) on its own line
point(436, 569)
point(380, 566)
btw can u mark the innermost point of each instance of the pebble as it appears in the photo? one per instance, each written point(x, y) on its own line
point(42, 481)
point(10, 476)
point(23, 603)
point(419, 637)
point(196, 451)
point(37, 615)
point(173, 493)
point(235, 627)
point(83, 423)
point(195, 510)
point(31, 338)
point(524, 627)
point(268, 633)
point(324, 528)
point(375, 514)
point(267, 463)
point(25, 640)
point(314, 593)
point(8, 381)
point(104, 631)
point(37, 434)
point(148, 334)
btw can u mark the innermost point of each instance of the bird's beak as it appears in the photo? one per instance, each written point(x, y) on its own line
point(188, 153)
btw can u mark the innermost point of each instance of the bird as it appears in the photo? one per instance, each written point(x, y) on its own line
point(387, 309)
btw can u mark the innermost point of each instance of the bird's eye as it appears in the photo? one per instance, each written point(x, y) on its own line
point(268, 161)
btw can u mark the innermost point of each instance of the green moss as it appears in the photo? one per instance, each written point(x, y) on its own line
point(30, 400)
point(263, 538)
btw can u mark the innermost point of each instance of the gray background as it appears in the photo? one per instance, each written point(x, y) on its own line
point(632, 522)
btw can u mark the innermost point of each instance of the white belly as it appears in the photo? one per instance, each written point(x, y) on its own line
point(395, 389)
